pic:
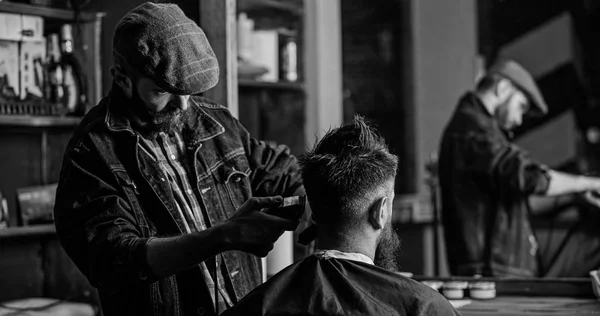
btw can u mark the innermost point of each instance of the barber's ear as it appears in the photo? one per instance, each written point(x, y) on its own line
point(503, 88)
point(378, 215)
point(122, 80)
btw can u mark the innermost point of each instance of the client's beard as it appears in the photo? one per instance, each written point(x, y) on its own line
point(149, 123)
point(388, 250)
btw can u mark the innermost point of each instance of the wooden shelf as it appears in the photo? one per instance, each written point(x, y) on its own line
point(47, 12)
point(39, 121)
point(260, 5)
point(23, 231)
point(248, 83)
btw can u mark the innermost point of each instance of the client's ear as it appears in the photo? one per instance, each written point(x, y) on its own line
point(503, 89)
point(378, 214)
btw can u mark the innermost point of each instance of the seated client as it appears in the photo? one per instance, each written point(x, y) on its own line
point(349, 181)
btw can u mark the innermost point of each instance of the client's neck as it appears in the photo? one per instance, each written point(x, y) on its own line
point(346, 243)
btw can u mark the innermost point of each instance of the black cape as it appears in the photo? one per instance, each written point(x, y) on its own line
point(333, 286)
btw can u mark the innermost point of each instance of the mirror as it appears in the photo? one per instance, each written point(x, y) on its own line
point(406, 79)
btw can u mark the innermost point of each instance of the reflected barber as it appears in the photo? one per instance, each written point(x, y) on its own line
point(492, 189)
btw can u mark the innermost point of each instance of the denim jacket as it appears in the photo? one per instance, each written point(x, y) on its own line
point(112, 198)
point(485, 184)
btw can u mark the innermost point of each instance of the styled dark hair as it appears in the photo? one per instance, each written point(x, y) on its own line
point(346, 170)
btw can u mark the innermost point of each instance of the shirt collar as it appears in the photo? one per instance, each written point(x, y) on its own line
point(354, 256)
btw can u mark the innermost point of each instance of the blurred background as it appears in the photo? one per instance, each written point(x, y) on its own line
point(290, 70)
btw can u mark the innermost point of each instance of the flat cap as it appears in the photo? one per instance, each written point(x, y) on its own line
point(514, 72)
point(158, 41)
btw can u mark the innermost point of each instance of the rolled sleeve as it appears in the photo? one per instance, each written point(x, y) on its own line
point(275, 171)
point(506, 165)
point(537, 179)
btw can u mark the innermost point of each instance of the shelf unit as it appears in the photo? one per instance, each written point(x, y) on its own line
point(27, 231)
point(38, 121)
point(274, 111)
point(87, 30)
point(249, 83)
point(47, 12)
point(32, 150)
point(33, 145)
point(252, 6)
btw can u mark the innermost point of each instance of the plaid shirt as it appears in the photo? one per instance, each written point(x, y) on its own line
point(170, 153)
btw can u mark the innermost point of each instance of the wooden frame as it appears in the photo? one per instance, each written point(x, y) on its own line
point(323, 64)
point(218, 20)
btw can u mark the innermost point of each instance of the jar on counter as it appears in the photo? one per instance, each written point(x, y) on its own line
point(482, 290)
point(454, 290)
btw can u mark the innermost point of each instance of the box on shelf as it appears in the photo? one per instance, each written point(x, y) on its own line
point(32, 57)
point(36, 204)
point(18, 27)
point(22, 56)
point(10, 26)
point(9, 69)
point(32, 28)
point(266, 53)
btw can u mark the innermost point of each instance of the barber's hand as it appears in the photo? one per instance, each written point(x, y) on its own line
point(253, 231)
point(591, 198)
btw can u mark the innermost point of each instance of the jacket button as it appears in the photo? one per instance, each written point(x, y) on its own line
point(200, 311)
point(237, 179)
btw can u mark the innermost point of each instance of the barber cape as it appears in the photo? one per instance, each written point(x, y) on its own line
point(330, 282)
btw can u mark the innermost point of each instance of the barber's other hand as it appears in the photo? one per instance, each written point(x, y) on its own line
point(591, 198)
point(593, 183)
point(251, 230)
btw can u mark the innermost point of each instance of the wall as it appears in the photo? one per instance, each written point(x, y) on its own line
point(541, 51)
point(322, 68)
point(444, 53)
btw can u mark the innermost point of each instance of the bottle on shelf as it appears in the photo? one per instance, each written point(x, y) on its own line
point(74, 81)
point(54, 91)
point(288, 56)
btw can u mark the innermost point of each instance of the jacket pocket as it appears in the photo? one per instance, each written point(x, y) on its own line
point(131, 192)
point(156, 298)
point(234, 176)
point(164, 296)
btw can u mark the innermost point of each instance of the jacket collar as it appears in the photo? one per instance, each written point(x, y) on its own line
point(472, 101)
point(199, 128)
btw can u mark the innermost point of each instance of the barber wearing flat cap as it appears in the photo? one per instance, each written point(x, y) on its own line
point(491, 188)
point(160, 194)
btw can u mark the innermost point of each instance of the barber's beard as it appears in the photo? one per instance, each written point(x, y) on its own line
point(388, 250)
point(169, 120)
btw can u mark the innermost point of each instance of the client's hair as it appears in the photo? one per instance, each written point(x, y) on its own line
point(345, 172)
